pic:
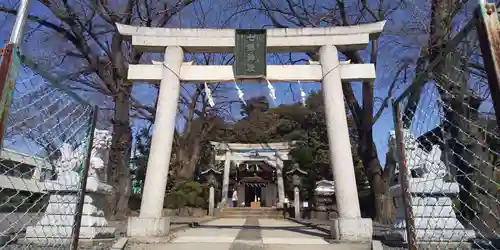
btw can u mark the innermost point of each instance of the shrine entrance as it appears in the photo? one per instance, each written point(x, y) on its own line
point(253, 195)
point(255, 171)
point(255, 184)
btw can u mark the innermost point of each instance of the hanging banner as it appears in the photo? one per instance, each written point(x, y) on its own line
point(250, 54)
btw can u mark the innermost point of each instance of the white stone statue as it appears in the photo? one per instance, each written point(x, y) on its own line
point(431, 202)
point(100, 154)
point(57, 223)
point(428, 164)
point(71, 162)
point(67, 169)
point(99, 158)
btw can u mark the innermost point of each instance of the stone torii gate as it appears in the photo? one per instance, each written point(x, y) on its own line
point(327, 41)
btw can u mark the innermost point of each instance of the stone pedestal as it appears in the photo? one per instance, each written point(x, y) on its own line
point(432, 206)
point(56, 225)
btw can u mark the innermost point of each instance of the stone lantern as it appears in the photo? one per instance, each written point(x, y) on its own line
point(297, 175)
point(211, 176)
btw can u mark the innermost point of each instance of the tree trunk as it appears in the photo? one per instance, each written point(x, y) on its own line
point(119, 157)
point(383, 211)
point(382, 200)
point(189, 160)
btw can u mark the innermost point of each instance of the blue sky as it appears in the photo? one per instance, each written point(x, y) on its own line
point(392, 51)
point(284, 92)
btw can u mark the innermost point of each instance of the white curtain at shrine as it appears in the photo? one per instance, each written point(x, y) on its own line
point(241, 195)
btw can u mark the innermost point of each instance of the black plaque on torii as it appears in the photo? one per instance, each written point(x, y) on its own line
point(250, 53)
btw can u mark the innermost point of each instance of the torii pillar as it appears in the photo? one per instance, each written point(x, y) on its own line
point(150, 221)
point(350, 225)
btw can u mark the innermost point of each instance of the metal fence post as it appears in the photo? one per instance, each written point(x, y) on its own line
point(83, 182)
point(7, 74)
point(488, 29)
point(404, 183)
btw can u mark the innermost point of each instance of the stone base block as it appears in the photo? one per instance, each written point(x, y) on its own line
point(61, 234)
point(352, 229)
point(432, 235)
point(434, 221)
point(148, 227)
point(55, 226)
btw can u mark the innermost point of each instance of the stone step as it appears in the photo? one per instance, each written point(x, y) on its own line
point(247, 212)
point(249, 216)
point(231, 212)
point(254, 208)
point(251, 208)
point(250, 212)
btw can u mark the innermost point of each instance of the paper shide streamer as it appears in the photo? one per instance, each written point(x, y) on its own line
point(302, 94)
point(240, 93)
point(209, 96)
point(272, 91)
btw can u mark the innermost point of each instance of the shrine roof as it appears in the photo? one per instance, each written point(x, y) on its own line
point(210, 170)
point(297, 170)
point(253, 181)
point(325, 182)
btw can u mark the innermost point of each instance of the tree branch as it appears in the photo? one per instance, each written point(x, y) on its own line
point(59, 29)
point(385, 101)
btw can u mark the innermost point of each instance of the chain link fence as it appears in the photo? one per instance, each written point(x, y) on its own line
point(446, 189)
point(48, 131)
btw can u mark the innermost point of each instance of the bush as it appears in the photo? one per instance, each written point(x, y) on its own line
point(187, 194)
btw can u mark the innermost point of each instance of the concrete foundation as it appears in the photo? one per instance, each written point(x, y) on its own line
point(355, 230)
point(148, 227)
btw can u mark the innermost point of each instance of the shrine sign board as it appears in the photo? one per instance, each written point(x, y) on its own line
point(250, 53)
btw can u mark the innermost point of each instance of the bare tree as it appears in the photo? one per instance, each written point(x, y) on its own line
point(82, 40)
point(196, 118)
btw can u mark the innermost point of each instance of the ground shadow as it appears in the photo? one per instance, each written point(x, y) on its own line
point(296, 229)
